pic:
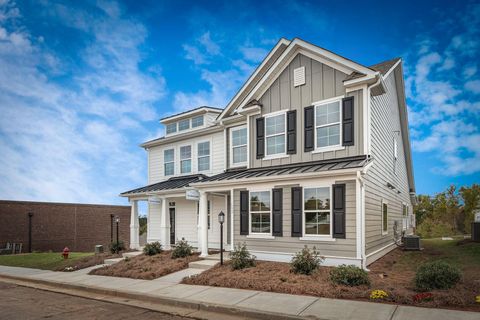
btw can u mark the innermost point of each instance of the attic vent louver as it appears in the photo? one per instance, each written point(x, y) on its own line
point(299, 76)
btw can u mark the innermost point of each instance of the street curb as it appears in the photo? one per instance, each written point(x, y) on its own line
point(182, 307)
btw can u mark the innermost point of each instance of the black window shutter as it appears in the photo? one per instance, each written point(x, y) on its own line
point(244, 212)
point(277, 212)
point(347, 121)
point(292, 132)
point(339, 211)
point(297, 212)
point(309, 121)
point(260, 138)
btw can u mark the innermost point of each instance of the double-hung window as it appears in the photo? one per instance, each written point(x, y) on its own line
point(169, 162)
point(260, 213)
point(316, 202)
point(197, 121)
point(171, 128)
point(384, 217)
point(203, 150)
point(184, 124)
point(186, 159)
point(328, 124)
point(275, 136)
point(238, 142)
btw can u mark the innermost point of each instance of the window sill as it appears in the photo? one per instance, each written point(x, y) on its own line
point(384, 233)
point(276, 156)
point(326, 149)
point(318, 239)
point(260, 236)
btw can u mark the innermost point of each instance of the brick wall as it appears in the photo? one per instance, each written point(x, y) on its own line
point(56, 225)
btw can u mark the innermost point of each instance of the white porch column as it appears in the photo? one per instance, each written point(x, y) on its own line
point(203, 223)
point(165, 225)
point(134, 226)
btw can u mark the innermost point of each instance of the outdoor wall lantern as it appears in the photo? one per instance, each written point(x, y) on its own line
point(221, 220)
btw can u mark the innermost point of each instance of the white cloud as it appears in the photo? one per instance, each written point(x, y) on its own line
point(202, 50)
point(254, 54)
point(64, 142)
point(473, 86)
point(469, 71)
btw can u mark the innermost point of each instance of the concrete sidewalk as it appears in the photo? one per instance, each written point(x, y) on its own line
point(208, 302)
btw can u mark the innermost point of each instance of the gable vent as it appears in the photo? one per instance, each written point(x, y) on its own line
point(299, 76)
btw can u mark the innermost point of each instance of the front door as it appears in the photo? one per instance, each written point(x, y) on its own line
point(172, 225)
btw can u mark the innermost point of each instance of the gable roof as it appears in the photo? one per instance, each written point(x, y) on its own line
point(202, 109)
point(273, 62)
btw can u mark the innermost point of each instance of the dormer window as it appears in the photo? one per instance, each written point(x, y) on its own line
point(197, 121)
point(183, 124)
point(171, 128)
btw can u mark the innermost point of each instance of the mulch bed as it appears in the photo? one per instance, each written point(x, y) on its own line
point(384, 274)
point(85, 262)
point(146, 267)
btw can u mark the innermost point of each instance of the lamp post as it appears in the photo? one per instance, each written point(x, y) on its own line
point(117, 220)
point(221, 220)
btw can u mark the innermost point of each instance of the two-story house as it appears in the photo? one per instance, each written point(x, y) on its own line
point(313, 150)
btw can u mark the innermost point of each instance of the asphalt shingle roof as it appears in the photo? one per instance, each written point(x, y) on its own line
point(381, 67)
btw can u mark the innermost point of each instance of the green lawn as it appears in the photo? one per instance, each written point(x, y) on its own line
point(45, 261)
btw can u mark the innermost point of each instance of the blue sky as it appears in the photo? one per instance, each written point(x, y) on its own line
point(82, 83)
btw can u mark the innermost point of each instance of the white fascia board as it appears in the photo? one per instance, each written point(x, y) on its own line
point(367, 79)
point(282, 41)
point(188, 114)
point(342, 173)
point(392, 68)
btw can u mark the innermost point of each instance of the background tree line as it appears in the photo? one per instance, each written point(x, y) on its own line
point(447, 213)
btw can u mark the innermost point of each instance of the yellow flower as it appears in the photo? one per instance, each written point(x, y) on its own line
point(378, 294)
point(477, 298)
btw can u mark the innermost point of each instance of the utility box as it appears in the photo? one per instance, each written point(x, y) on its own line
point(476, 231)
point(98, 249)
point(411, 242)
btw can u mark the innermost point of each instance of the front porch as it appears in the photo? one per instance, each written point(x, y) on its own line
point(182, 213)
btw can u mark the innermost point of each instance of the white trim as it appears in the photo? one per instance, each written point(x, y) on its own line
point(164, 162)
point(281, 42)
point(248, 141)
point(260, 234)
point(180, 159)
point(330, 261)
point(210, 149)
point(321, 103)
point(232, 232)
point(392, 68)
point(189, 114)
point(230, 146)
point(377, 254)
point(276, 156)
point(317, 238)
point(272, 115)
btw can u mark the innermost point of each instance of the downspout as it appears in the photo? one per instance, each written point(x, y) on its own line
point(369, 89)
point(361, 181)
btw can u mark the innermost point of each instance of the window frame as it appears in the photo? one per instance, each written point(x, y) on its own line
point(209, 156)
point(170, 124)
point(318, 104)
point(197, 117)
point(184, 120)
point(259, 234)
point(231, 147)
point(383, 203)
point(165, 162)
point(180, 158)
point(304, 220)
point(272, 115)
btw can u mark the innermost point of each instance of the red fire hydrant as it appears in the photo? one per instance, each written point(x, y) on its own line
point(65, 253)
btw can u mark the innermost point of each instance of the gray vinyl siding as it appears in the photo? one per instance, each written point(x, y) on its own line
point(322, 82)
point(287, 244)
point(385, 125)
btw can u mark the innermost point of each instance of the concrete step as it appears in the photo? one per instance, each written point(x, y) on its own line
point(112, 261)
point(131, 254)
point(216, 256)
point(202, 264)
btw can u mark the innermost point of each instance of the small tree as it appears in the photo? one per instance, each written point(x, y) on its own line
point(436, 275)
point(182, 250)
point(306, 261)
point(241, 257)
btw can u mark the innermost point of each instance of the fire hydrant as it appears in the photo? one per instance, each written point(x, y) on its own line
point(65, 253)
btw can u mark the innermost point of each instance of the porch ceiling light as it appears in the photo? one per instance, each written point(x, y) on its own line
point(221, 217)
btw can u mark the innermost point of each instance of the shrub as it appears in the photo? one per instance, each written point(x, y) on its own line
point(182, 250)
point(306, 261)
point(434, 229)
point(378, 295)
point(116, 247)
point(241, 258)
point(436, 275)
point(349, 276)
point(152, 249)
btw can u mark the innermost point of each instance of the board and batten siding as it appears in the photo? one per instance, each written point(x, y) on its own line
point(290, 245)
point(385, 127)
point(217, 155)
point(321, 82)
